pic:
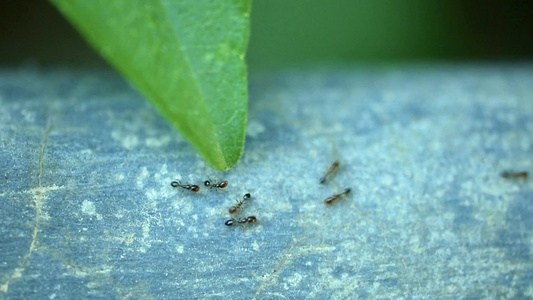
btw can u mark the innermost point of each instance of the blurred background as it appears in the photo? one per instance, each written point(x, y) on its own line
point(298, 32)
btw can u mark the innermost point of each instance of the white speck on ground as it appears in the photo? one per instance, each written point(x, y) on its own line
point(88, 208)
point(128, 141)
point(254, 129)
point(157, 142)
point(119, 177)
point(143, 175)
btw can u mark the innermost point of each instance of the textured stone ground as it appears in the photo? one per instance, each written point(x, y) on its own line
point(87, 210)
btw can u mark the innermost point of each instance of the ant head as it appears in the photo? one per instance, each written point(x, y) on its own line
point(207, 183)
point(246, 196)
point(175, 183)
point(229, 222)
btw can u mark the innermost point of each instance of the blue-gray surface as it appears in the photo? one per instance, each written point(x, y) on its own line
point(87, 210)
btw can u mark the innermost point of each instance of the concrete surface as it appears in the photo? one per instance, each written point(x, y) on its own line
point(87, 210)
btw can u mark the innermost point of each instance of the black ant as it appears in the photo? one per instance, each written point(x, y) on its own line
point(511, 174)
point(250, 219)
point(331, 199)
point(333, 167)
point(237, 207)
point(191, 187)
point(220, 185)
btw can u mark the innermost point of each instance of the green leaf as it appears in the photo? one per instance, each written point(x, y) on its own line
point(186, 56)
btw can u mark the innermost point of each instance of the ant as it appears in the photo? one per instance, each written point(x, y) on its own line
point(250, 219)
point(331, 199)
point(237, 207)
point(220, 185)
point(191, 187)
point(333, 167)
point(511, 174)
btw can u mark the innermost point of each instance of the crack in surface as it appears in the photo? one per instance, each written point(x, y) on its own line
point(283, 261)
point(99, 275)
point(38, 197)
